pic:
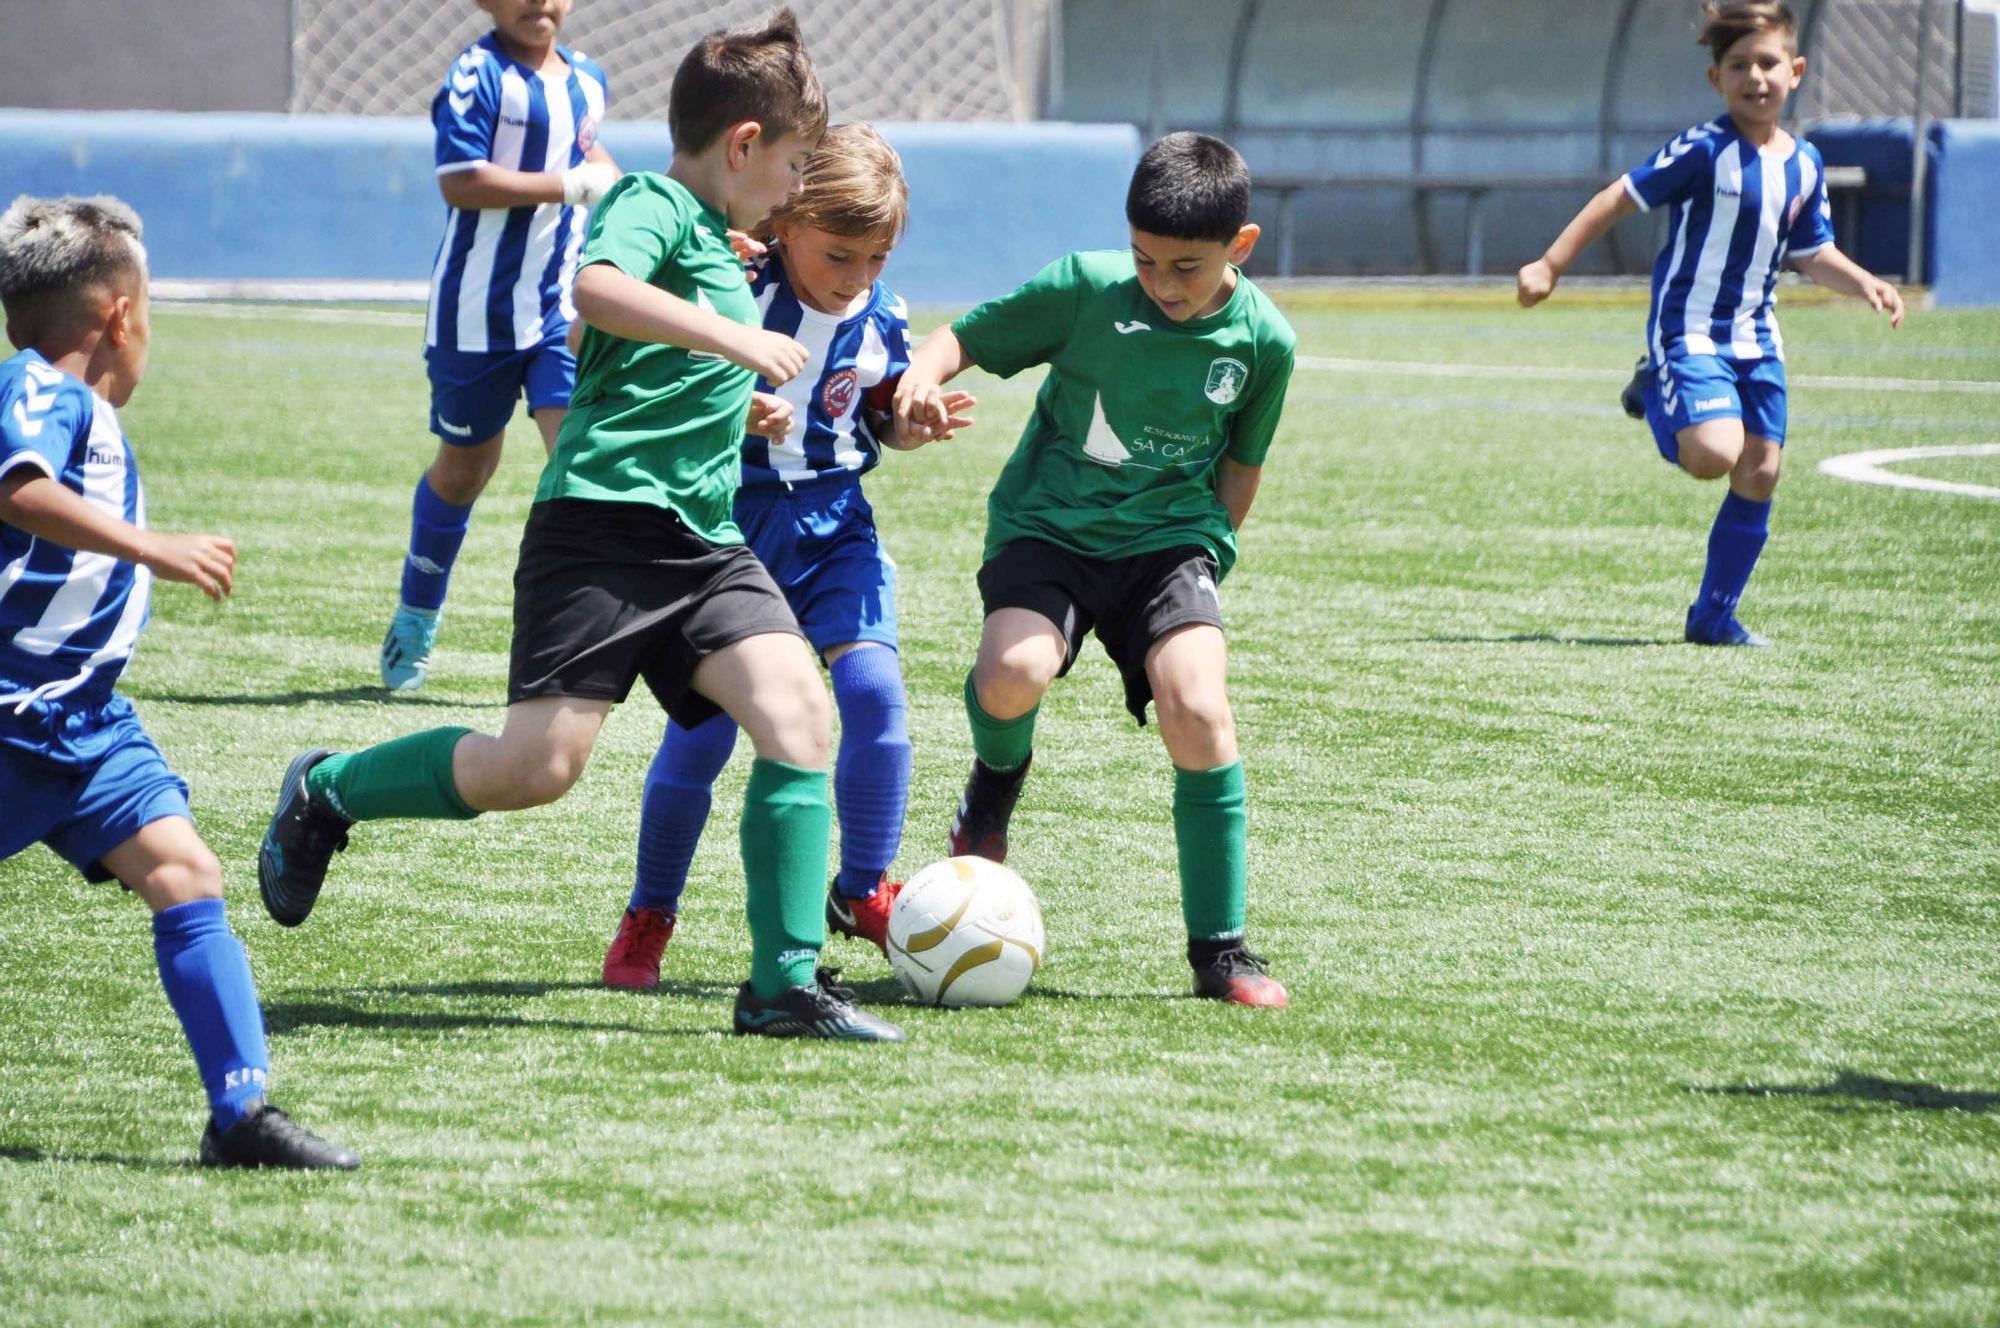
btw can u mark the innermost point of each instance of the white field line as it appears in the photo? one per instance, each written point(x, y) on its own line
point(207, 308)
point(1427, 369)
point(1870, 468)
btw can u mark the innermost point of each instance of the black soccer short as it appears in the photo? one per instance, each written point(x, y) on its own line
point(605, 593)
point(1132, 602)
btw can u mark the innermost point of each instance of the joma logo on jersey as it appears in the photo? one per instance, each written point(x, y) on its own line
point(1225, 380)
point(837, 393)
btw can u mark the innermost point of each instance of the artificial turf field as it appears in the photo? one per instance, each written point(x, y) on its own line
point(1631, 982)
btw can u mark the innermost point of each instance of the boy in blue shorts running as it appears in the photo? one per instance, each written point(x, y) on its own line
point(77, 770)
point(802, 512)
point(1745, 196)
point(519, 165)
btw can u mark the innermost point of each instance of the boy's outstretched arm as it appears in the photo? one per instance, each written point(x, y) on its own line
point(1236, 486)
point(922, 411)
point(1828, 267)
point(1534, 282)
point(488, 186)
point(625, 306)
point(45, 509)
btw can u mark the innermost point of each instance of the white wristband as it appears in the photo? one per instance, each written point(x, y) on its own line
point(587, 183)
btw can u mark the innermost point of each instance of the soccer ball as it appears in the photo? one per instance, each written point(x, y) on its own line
point(965, 931)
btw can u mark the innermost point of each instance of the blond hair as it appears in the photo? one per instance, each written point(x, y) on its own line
point(57, 255)
point(853, 186)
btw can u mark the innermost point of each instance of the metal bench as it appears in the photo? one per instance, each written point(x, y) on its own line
point(1845, 182)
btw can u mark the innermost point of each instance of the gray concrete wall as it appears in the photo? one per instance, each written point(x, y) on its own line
point(180, 55)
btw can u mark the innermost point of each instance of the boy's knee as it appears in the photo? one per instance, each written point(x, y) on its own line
point(1198, 715)
point(187, 876)
point(793, 723)
point(1012, 683)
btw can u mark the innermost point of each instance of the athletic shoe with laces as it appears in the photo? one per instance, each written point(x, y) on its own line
point(267, 1137)
point(633, 961)
point(980, 828)
point(820, 1010)
point(1235, 975)
point(302, 838)
point(863, 919)
point(406, 650)
point(1633, 398)
point(1723, 631)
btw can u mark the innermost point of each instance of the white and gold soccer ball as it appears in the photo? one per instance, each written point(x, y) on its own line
point(965, 931)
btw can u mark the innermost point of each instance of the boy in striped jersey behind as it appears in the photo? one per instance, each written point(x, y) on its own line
point(77, 770)
point(802, 511)
point(1745, 196)
point(519, 164)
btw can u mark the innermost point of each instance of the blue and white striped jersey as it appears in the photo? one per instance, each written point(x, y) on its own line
point(502, 277)
point(1738, 213)
point(855, 361)
point(68, 620)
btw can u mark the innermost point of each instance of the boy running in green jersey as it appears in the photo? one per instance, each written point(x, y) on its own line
point(1119, 510)
point(631, 565)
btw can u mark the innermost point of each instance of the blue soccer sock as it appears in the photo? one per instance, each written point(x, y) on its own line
point(871, 775)
point(1734, 542)
point(675, 808)
point(208, 982)
point(437, 529)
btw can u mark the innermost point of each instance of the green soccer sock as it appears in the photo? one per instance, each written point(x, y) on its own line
point(785, 828)
point(408, 778)
point(1003, 744)
point(1211, 832)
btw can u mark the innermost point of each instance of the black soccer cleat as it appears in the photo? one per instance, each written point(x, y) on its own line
point(1231, 973)
point(267, 1137)
point(303, 836)
point(1633, 398)
point(818, 1010)
point(980, 828)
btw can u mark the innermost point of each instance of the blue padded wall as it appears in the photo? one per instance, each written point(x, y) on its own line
point(355, 198)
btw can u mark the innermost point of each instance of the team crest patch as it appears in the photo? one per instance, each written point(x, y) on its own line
point(586, 133)
point(1225, 380)
point(837, 393)
point(1792, 211)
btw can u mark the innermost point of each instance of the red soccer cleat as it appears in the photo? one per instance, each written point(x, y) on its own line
point(633, 961)
point(863, 919)
point(1237, 976)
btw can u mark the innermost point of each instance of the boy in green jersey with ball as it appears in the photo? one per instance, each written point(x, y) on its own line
point(1119, 510)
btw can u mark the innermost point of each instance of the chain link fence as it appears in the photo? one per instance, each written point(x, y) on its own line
point(880, 59)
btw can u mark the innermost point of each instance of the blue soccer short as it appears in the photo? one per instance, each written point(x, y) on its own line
point(1688, 389)
point(85, 809)
point(819, 543)
point(473, 392)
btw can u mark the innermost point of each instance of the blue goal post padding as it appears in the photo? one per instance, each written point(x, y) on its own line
point(1964, 231)
point(354, 198)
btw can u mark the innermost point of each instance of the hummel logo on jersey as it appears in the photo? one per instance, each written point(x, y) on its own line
point(1724, 191)
point(1134, 326)
point(514, 120)
point(455, 430)
point(104, 456)
point(1712, 403)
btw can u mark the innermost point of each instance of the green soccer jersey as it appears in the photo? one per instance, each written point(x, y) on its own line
point(651, 423)
point(1120, 455)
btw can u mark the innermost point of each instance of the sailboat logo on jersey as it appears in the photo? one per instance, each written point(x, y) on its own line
point(1103, 445)
point(1225, 380)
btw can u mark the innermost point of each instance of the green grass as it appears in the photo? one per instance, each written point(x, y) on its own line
point(1632, 983)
